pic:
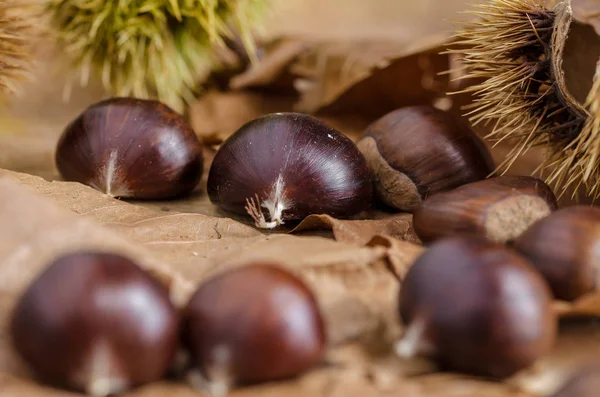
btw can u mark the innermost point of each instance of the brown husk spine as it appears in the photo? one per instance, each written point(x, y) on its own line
point(514, 53)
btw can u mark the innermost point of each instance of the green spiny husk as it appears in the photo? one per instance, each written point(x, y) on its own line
point(150, 48)
point(14, 39)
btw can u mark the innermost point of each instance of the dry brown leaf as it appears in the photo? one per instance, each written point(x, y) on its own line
point(273, 68)
point(399, 254)
point(587, 306)
point(131, 219)
point(360, 232)
point(337, 77)
point(216, 115)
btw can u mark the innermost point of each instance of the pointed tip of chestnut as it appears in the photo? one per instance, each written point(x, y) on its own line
point(97, 323)
point(565, 248)
point(417, 151)
point(131, 148)
point(253, 324)
point(477, 307)
point(499, 208)
point(285, 166)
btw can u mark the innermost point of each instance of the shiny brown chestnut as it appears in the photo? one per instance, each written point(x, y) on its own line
point(252, 324)
point(415, 152)
point(286, 166)
point(131, 148)
point(476, 307)
point(499, 209)
point(565, 249)
point(97, 323)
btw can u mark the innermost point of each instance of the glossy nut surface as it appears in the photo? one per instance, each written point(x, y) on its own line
point(97, 323)
point(418, 151)
point(286, 166)
point(131, 148)
point(565, 248)
point(476, 307)
point(499, 209)
point(253, 324)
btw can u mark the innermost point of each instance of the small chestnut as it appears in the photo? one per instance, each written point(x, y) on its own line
point(286, 166)
point(565, 249)
point(131, 148)
point(417, 151)
point(97, 323)
point(252, 324)
point(499, 209)
point(477, 307)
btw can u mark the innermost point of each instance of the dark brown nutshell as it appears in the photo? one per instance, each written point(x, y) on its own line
point(286, 166)
point(477, 307)
point(253, 324)
point(499, 209)
point(131, 148)
point(565, 248)
point(583, 383)
point(96, 323)
point(418, 151)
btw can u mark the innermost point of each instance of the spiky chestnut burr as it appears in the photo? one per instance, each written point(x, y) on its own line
point(15, 32)
point(151, 49)
point(536, 87)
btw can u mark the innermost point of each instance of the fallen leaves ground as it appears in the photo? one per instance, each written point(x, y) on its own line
point(355, 266)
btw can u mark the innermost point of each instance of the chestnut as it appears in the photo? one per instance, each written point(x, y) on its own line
point(565, 248)
point(476, 307)
point(252, 324)
point(97, 323)
point(417, 151)
point(286, 166)
point(499, 208)
point(131, 148)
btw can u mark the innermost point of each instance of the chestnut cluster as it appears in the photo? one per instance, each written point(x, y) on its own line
point(285, 166)
point(479, 300)
point(277, 168)
point(98, 323)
